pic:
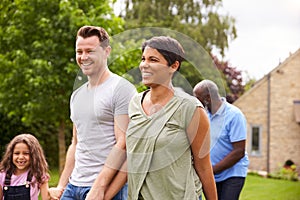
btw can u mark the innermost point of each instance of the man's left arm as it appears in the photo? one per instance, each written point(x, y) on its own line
point(113, 164)
point(232, 158)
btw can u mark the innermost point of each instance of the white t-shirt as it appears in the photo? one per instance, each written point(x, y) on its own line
point(93, 112)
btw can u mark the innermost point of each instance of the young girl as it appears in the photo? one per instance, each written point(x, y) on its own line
point(24, 170)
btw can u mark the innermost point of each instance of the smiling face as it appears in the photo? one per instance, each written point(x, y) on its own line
point(21, 157)
point(90, 56)
point(154, 68)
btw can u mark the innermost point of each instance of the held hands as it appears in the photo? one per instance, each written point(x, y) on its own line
point(55, 193)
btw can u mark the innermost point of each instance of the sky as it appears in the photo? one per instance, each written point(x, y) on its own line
point(268, 31)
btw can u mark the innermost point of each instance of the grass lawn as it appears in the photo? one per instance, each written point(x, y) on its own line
point(255, 188)
point(270, 189)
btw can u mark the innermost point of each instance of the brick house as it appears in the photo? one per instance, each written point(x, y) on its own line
point(272, 109)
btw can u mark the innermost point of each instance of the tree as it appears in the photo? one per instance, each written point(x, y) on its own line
point(233, 77)
point(37, 62)
point(200, 20)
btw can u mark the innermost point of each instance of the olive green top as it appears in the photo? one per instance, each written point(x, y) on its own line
point(160, 162)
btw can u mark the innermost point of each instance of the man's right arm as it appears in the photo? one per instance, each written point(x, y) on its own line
point(70, 162)
point(69, 166)
point(232, 158)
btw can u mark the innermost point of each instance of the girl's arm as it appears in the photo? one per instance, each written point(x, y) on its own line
point(198, 133)
point(1, 193)
point(44, 187)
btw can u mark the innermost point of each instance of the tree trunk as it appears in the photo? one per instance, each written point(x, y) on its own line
point(61, 146)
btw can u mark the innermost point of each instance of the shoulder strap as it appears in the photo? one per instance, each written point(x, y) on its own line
point(29, 176)
point(7, 178)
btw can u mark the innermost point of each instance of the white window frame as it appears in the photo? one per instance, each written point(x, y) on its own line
point(258, 151)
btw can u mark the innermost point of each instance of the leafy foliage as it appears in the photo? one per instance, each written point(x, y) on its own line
point(37, 62)
point(198, 19)
point(286, 173)
point(234, 80)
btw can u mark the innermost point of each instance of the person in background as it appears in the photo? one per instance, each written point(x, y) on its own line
point(99, 112)
point(167, 139)
point(228, 140)
point(24, 170)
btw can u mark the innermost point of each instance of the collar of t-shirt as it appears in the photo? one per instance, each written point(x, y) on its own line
point(221, 110)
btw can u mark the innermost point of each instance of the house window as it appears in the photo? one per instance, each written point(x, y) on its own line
point(297, 110)
point(255, 140)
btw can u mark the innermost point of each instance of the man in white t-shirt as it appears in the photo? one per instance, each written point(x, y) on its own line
point(96, 158)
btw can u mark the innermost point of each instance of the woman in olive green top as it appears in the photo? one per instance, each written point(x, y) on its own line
point(167, 139)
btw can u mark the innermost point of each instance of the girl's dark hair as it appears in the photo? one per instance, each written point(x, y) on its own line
point(168, 47)
point(38, 164)
point(89, 31)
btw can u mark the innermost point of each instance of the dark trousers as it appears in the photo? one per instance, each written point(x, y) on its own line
point(230, 188)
